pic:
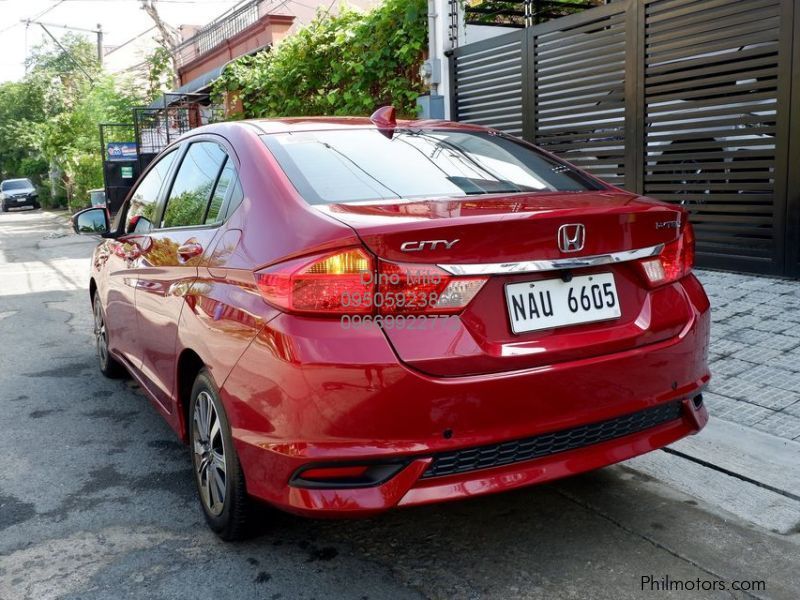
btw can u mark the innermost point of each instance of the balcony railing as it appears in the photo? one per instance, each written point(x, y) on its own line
point(220, 29)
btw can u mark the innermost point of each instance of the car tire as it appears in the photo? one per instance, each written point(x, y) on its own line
point(36, 206)
point(109, 366)
point(217, 471)
point(3, 207)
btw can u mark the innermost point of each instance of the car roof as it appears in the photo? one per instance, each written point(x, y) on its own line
point(13, 180)
point(286, 125)
point(294, 124)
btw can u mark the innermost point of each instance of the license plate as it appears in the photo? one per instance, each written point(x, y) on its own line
point(534, 305)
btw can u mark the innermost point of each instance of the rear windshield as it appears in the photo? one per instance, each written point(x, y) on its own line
point(18, 184)
point(364, 164)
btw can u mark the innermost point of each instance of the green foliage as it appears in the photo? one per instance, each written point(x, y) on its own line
point(159, 71)
point(49, 120)
point(507, 12)
point(345, 64)
point(21, 115)
point(86, 171)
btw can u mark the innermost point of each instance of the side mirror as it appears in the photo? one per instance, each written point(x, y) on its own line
point(92, 221)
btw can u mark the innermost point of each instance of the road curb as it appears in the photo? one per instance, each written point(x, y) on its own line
point(749, 473)
point(755, 455)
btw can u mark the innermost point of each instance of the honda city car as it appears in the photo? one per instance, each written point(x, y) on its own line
point(341, 316)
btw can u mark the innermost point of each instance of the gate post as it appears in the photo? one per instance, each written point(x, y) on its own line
point(635, 149)
point(450, 57)
point(528, 49)
point(786, 176)
point(791, 237)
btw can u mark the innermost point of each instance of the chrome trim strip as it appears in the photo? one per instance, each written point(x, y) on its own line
point(556, 264)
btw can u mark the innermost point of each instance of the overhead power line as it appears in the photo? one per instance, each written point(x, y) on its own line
point(98, 32)
point(10, 27)
point(67, 52)
point(36, 16)
point(133, 39)
point(46, 10)
point(29, 21)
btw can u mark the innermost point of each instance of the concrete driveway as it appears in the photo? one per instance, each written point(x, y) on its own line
point(97, 498)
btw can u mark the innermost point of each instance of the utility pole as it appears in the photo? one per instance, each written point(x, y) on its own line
point(98, 32)
point(100, 44)
point(170, 40)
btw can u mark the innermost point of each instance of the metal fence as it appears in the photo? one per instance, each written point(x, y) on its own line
point(156, 128)
point(695, 102)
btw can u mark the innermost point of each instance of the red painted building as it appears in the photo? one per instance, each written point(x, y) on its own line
point(244, 31)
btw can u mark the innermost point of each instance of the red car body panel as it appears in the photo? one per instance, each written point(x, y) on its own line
point(528, 223)
point(354, 401)
point(302, 390)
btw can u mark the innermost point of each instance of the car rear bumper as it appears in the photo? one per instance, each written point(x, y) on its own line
point(410, 487)
point(12, 203)
point(308, 393)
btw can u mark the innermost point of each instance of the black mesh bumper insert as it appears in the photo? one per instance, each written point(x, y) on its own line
point(495, 455)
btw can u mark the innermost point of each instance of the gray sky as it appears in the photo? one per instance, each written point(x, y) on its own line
point(120, 20)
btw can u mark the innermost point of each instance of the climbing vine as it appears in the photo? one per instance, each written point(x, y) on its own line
point(344, 64)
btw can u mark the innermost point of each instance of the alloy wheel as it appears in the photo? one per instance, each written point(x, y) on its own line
point(100, 335)
point(208, 446)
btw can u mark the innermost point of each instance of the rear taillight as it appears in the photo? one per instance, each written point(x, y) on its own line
point(334, 283)
point(349, 282)
point(675, 261)
point(423, 290)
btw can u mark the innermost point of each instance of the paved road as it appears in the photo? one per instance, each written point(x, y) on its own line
point(96, 497)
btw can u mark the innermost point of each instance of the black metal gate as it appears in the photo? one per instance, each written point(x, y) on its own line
point(119, 172)
point(692, 101)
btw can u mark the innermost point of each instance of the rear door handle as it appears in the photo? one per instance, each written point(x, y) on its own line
point(190, 250)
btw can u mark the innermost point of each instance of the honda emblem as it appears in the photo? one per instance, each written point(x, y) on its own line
point(571, 237)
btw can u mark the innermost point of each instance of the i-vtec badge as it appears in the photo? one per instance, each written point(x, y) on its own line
point(427, 244)
point(668, 225)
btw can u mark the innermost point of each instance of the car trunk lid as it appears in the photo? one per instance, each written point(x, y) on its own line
point(511, 238)
point(505, 229)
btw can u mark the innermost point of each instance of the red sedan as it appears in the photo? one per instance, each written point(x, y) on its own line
point(342, 316)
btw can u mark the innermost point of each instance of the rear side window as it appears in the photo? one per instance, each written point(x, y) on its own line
point(194, 187)
point(237, 197)
point(144, 200)
point(221, 190)
point(365, 164)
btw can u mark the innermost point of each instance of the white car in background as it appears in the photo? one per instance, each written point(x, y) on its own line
point(15, 193)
